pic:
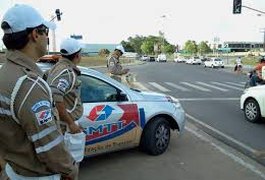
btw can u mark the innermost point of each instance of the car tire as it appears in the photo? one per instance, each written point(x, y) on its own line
point(252, 111)
point(156, 137)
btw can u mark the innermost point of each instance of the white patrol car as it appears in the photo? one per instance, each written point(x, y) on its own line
point(252, 103)
point(116, 117)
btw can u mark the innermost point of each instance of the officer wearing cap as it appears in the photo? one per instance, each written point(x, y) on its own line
point(30, 137)
point(65, 86)
point(113, 64)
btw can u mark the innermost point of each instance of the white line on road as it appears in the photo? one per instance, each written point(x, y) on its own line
point(176, 86)
point(161, 88)
point(196, 87)
point(208, 99)
point(235, 84)
point(229, 86)
point(212, 86)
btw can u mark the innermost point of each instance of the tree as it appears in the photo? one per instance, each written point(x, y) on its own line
point(147, 47)
point(191, 47)
point(203, 48)
point(170, 49)
point(127, 46)
point(103, 52)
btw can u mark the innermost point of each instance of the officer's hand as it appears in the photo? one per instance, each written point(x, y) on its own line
point(74, 128)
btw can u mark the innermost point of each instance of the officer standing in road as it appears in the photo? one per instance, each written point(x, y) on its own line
point(30, 137)
point(65, 86)
point(113, 64)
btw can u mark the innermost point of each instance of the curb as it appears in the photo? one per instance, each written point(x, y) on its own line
point(258, 156)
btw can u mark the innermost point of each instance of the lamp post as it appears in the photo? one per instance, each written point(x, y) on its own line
point(53, 17)
point(163, 17)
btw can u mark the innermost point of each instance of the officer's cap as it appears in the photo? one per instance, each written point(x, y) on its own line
point(22, 16)
point(70, 46)
point(120, 48)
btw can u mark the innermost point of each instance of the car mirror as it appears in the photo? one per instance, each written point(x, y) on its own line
point(122, 96)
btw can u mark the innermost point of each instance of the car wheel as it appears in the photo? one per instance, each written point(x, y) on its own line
point(252, 111)
point(156, 136)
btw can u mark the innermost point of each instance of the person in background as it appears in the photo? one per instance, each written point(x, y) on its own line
point(30, 137)
point(256, 76)
point(114, 66)
point(238, 66)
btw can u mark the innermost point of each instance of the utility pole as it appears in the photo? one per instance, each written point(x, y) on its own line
point(53, 17)
point(163, 33)
point(263, 31)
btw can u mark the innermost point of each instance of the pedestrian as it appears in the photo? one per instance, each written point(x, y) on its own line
point(66, 90)
point(30, 137)
point(114, 66)
point(238, 66)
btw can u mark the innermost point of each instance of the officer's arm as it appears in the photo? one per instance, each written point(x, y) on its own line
point(60, 87)
point(37, 117)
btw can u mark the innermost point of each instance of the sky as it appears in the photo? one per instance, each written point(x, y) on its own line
point(111, 21)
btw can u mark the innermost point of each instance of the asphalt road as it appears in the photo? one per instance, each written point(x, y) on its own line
point(210, 96)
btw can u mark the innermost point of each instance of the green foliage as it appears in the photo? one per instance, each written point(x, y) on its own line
point(147, 47)
point(169, 49)
point(103, 52)
point(203, 48)
point(191, 47)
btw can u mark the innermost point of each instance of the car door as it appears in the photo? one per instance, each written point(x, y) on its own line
point(110, 120)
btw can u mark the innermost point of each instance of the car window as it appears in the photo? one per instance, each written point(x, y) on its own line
point(96, 90)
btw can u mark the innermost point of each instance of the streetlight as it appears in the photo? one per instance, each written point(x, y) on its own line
point(57, 16)
point(163, 17)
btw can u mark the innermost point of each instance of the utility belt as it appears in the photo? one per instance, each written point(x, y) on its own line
point(14, 176)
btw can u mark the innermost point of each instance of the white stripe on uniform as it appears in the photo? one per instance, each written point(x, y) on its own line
point(50, 145)
point(43, 133)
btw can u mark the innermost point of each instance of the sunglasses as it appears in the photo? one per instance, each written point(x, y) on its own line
point(43, 29)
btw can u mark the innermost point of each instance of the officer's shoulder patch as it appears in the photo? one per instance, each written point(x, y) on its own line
point(40, 104)
point(63, 85)
point(44, 116)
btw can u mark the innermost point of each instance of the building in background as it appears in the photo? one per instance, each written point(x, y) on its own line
point(93, 49)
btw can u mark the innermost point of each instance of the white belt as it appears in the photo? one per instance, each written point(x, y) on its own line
point(14, 176)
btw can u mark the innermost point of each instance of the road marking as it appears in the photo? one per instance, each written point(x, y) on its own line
point(211, 86)
point(176, 86)
point(140, 86)
point(196, 87)
point(208, 99)
point(235, 84)
point(161, 88)
point(229, 86)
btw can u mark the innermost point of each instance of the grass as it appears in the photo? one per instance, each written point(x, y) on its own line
point(89, 61)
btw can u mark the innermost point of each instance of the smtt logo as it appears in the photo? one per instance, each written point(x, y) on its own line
point(100, 113)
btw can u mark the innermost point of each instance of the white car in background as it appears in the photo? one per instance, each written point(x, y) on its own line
point(180, 60)
point(252, 103)
point(194, 60)
point(161, 58)
point(214, 63)
point(116, 117)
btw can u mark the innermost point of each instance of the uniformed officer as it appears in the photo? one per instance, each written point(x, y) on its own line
point(30, 138)
point(65, 85)
point(113, 64)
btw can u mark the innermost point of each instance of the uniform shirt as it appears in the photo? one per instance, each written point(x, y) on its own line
point(65, 86)
point(114, 65)
point(30, 139)
point(258, 68)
